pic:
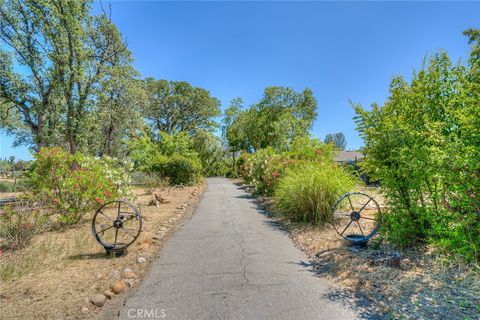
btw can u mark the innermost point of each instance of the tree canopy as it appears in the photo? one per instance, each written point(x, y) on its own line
point(337, 139)
point(275, 121)
point(175, 106)
point(54, 54)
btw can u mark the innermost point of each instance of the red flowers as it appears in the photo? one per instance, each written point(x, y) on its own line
point(107, 193)
point(55, 200)
point(99, 200)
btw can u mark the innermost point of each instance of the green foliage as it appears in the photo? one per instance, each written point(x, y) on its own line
point(423, 146)
point(337, 139)
point(265, 168)
point(173, 157)
point(54, 56)
point(211, 153)
point(307, 192)
point(281, 116)
point(6, 186)
point(180, 169)
point(19, 185)
point(176, 106)
point(74, 185)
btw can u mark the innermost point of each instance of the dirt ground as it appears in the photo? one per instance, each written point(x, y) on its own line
point(427, 285)
point(57, 275)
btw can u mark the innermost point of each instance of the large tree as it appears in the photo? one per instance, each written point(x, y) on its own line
point(337, 139)
point(53, 56)
point(281, 116)
point(176, 106)
point(118, 115)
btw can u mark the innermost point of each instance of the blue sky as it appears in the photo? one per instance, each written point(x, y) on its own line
point(341, 50)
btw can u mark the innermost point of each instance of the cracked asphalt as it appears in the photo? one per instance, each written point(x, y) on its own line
point(230, 261)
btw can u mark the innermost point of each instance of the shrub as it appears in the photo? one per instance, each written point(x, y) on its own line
point(19, 185)
point(172, 157)
point(19, 222)
point(266, 167)
point(180, 169)
point(423, 145)
point(307, 193)
point(6, 186)
point(74, 185)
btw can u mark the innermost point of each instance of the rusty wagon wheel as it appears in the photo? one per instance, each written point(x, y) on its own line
point(356, 217)
point(116, 225)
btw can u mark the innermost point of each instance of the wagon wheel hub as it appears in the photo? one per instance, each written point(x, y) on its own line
point(355, 216)
point(118, 223)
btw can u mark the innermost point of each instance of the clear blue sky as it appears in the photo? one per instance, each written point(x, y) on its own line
point(341, 50)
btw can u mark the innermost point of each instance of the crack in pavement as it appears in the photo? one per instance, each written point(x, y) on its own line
point(231, 262)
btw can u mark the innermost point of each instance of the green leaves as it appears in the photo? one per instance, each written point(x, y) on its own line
point(64, 54)
point(281, 116)
point(175, 106)
point(423, 145)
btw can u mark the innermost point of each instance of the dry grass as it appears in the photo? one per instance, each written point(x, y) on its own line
point(427, 286)
point(57, 274)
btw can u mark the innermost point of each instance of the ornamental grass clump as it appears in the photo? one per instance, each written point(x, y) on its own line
point(307, 193)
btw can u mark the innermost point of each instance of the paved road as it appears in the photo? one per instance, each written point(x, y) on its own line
point(231, 262)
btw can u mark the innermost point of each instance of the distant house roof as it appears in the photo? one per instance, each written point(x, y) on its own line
point(348, 156)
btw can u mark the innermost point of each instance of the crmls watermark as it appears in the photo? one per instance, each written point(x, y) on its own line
point(146, 314)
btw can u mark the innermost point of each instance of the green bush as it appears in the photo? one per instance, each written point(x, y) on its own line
point(265, 168)
point(74, 185)
point(179, 169)
point(6, 186)
point(173, 157)
point(423, 145)
point(307, 193)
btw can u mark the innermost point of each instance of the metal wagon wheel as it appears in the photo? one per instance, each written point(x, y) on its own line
point(116, 225)
point(356, 217)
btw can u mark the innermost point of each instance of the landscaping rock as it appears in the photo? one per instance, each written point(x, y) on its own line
point(141, 260)
point(99, 300)
point(127, 270)
point(130, 275)
point(118, 287)
point(109, 294)
point(84, 310)
point(130, 282)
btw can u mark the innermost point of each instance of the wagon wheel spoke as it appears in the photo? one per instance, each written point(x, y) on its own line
point(103, 214)
point(118, 214)
point(132, 217)
point(367, 218)
point(341, 214)
point(103, 230)
point(116, 234)
point(365, 205)
point(348, 225)
point(360, 229)
point(351, 205)
point(127, 232)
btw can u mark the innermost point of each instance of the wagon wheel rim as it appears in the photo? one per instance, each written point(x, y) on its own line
point(116, 224)
point(355, 215)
